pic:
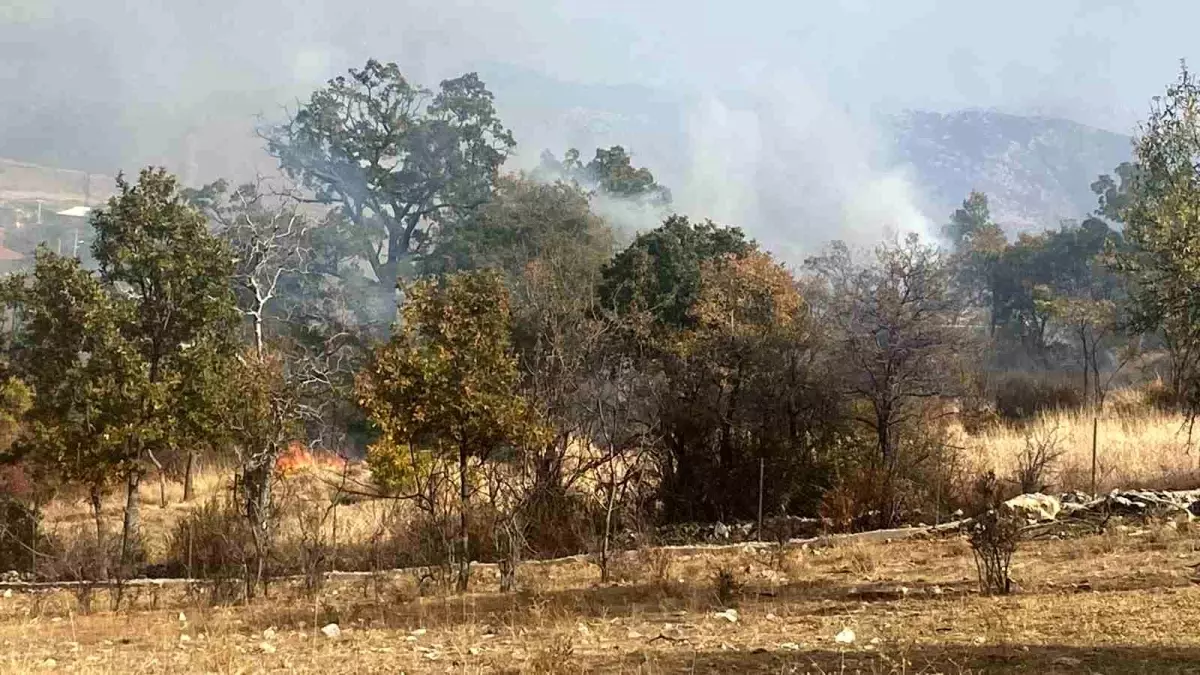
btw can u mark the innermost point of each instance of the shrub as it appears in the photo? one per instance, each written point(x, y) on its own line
point(725, 585)
point(212, 542)
point(20, 536)
point(1036, 460)
point(1021, 397)
point(994, 537)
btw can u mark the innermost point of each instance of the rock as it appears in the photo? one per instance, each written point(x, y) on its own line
point(730, 615)
point(269, 634)
point(331, 631)
point(266, 647)
point(846, 637)
point(1036, 507)
point(721, 531)
point(7, 593)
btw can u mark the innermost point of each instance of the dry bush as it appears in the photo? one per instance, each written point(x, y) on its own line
point(994, 536)
point(725, 585)
point(1037, 459)
point(213, 541)
point(655, 565)
point(553, 658)
point(862, 560)
point(1021, 397)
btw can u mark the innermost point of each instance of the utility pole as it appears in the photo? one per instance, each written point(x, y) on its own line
point(1095, 432)
point(761, 476)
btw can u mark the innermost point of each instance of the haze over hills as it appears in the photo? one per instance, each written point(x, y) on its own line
point(1036, 171)
point(791, 168)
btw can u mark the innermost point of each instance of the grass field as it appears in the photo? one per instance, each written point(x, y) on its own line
point(1119, 602)
point(911, 605)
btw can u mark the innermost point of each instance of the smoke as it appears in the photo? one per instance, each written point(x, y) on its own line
point(109, 86)
point(794, 170)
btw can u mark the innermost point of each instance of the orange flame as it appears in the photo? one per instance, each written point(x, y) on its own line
point(298, 458)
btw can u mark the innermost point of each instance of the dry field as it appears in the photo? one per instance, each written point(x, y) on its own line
point(1114, 603)
point(1135, 449)
point(1121, 602)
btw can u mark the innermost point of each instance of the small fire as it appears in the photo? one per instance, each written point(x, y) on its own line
point(298, 458)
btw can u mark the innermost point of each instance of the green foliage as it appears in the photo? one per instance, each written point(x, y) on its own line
point(86, 377)
point(1161, 212)
point(448, 378)
point(659, 272)
point(610, 172)
point(171, 278)
point(394, 157)
point(525, 220)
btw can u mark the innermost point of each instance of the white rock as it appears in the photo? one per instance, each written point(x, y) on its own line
point(730, 615)
point(269, 634)
point(7, 593)
point(790, 646)
point(418, 632)
point(266, 647)
point(846, 637)
point(331, 630)
point(182, 618)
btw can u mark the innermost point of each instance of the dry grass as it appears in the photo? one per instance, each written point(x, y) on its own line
point(1146, 448)
point(913, 608)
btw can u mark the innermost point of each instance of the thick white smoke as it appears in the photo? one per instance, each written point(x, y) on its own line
point(794, 170)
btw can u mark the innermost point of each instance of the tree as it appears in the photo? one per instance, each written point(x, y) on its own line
point(86, 379)
point(447, 380)
point(978, 245)
point(659, 272)
point(158, 260)
point(610, 172)
point(1114, 195)
point(970, 223)
point(523, 221)
point(1162, 231)
point(899, 330)
point(394, 157)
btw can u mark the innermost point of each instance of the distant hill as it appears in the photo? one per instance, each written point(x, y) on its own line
point(1036, 171)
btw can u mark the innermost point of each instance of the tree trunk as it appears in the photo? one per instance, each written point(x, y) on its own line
point(188, 484)
point(130, 530)
point(605, 544)
point(96, 514)
point(256, 482)
point(464, 560)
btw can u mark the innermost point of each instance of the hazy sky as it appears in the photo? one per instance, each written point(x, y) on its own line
point(99, 84)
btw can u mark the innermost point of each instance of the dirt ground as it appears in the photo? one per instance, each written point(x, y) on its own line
point(1121, 602)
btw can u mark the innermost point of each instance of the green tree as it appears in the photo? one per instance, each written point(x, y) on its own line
point(394, 157)
point(173, 278)
point(447, 380)
point(1114, 195)
point(524, 220)
point(86, 378)
point(1162, 231)
point(659, 272)
point(970, 223)
point(610, 172)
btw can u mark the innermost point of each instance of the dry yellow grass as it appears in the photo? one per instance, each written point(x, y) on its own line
point(922, 616)
point(1147, 448)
